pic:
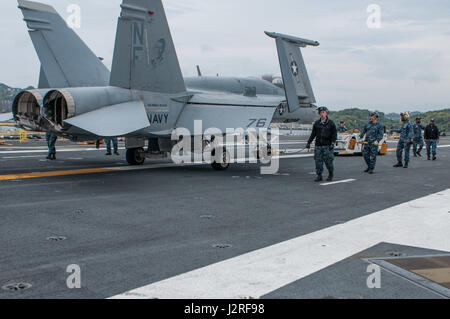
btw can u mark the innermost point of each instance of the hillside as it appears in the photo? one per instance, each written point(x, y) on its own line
point(7, 94)
point(356, 118)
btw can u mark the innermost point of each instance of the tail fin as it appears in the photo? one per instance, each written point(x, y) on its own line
point(144, 55)
point(295, 76)
point(43, 81)
point(65, 58)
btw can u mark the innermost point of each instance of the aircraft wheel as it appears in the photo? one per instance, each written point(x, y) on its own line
point(135, 156)
point(224, 164)
point(264, 153)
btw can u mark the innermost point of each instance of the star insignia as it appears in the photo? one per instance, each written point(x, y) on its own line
point(294, 68)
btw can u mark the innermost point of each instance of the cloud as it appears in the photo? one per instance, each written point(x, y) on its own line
point(206, 48)
point(175, 8)
point(404, 62)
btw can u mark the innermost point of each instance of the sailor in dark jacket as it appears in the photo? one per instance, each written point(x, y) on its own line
point(431, 138)
point(325, 133)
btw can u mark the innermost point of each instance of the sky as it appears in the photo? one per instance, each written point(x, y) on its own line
point(402, 65)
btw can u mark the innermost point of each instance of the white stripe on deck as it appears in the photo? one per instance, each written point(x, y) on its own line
point(338, 182)
point(63, 150)
point(27, 156)
point(58, 150)
point(292, 143)
point(423, 222)
point(292, 156)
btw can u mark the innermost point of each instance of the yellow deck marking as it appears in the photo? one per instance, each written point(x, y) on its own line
point(55, 173)
point(96, 170)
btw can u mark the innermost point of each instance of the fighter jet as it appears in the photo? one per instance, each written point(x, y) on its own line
point(145, 96)
point(99, 75)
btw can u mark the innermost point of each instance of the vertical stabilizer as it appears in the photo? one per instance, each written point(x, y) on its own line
point(293, 69)
point(144, 55)
point(43, 82)
point(66, 60)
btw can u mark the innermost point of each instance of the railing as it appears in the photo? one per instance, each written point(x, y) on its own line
point(19, 134)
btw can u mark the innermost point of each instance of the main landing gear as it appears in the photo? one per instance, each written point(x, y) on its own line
point(136, 156)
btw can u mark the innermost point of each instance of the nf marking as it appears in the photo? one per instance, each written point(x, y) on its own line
point(138, 41)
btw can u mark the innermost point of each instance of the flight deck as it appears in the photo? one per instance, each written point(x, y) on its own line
point(167, 231)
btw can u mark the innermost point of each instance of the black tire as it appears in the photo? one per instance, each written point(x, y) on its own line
point(264, 153)
point(225, 163)
point(135, 156)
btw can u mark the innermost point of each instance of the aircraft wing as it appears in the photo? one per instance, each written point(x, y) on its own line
point(4, 117)
point(112, 121)
point(225, 98)
point(223, 111)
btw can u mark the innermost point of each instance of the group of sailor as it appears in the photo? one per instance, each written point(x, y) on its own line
point(324, 132)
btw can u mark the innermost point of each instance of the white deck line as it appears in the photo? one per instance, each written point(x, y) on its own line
point(423, 222)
